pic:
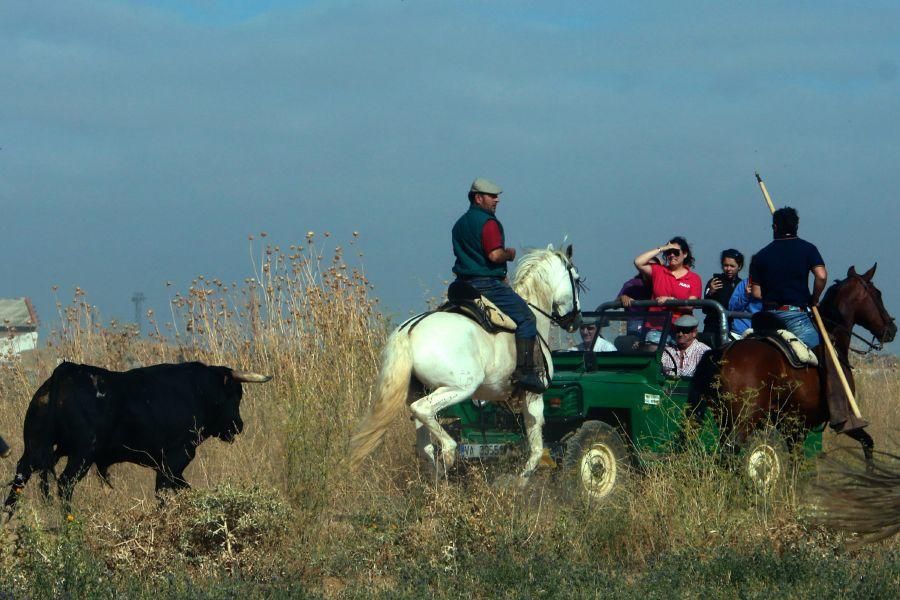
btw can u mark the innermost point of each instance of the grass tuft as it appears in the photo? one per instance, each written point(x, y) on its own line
point(278, 515)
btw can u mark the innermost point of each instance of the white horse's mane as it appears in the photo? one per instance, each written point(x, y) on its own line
point(530, 280)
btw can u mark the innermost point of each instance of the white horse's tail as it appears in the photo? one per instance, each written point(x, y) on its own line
point(391, 393)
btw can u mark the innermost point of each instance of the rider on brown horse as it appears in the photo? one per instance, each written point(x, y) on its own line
point(780, 275)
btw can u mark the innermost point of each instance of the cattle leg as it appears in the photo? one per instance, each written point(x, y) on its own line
point(170, 475)
point(103, 473)
point(75, 470)
point(46, 472)
point(23, 474)
point(45, 482)
point(32, 460)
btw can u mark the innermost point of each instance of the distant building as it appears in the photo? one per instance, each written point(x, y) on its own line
point(18, 326)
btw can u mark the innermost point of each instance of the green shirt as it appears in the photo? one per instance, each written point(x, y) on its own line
point(471, 261)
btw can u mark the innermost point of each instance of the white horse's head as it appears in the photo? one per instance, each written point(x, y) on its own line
point(548, 280)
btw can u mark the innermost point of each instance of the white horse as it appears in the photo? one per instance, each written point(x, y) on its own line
point(457, 359)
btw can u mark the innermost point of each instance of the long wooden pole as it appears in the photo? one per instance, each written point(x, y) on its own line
point(815, 311)
point(765, 192)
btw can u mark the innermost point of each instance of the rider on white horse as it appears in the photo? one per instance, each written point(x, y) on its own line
point(481, 257)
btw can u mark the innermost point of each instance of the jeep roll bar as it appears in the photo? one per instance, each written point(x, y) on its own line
point(722, 315)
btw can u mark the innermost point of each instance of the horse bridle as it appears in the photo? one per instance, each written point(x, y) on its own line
point(571, 319)
point(876, 344)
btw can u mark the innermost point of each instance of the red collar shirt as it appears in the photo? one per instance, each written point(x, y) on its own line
point(684, 287)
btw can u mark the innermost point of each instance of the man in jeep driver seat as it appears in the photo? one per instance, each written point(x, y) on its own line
point(481, 257)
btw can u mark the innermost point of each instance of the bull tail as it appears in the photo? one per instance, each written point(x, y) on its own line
point(391, 391)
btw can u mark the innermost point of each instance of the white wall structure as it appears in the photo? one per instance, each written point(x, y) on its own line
point(18, 326)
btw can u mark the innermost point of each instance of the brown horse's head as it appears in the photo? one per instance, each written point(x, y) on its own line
point(859, 302)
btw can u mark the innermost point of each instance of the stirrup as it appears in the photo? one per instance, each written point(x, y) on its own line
point(529, 381)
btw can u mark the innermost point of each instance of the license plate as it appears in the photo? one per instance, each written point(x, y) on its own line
point(469, 451)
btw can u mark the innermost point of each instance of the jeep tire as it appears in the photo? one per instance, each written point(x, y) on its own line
point(765, 461)
point(597, 463)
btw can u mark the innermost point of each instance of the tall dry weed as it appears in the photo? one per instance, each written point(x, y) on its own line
point(310, 319)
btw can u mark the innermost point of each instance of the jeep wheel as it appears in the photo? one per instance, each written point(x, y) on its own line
point(597, 462)
point(765, 461)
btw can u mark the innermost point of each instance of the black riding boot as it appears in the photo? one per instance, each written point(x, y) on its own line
point(525, 375)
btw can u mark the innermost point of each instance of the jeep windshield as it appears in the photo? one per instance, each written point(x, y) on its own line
point(633, 332)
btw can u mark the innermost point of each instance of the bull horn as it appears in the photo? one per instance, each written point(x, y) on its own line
point(250, 377)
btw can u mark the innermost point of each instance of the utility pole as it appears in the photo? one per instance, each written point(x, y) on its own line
point(138, 299)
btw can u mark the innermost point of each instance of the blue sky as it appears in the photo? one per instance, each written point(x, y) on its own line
point(142, 142)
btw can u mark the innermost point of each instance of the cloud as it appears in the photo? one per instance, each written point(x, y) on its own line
point(146, 141)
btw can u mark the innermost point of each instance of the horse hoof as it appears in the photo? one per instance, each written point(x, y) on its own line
point(447, 462)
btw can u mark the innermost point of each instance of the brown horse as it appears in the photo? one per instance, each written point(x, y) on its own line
point(750, 383)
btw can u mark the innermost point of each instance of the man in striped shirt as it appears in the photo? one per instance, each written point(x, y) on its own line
point(682, 359)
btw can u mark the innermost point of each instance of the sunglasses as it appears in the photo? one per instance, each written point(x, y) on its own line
point(672, 251)
point(684, 330)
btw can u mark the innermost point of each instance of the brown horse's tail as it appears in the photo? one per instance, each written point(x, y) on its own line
point(865, 501)
point(391, 392)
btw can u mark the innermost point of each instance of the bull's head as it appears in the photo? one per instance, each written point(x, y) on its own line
point(228, 423)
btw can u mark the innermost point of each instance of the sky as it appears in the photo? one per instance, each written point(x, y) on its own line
point(143, 142)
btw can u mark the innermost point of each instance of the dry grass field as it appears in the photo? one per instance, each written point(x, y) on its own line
point(277, 514)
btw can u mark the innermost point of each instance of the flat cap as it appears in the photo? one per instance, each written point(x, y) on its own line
point(687, 321)
point(484, 186)
point(598, 321)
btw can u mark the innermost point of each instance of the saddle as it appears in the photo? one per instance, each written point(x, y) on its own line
point(769, 328)
point(465, 300)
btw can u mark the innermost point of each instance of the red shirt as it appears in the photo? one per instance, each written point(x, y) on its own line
point(666, 284)
point(491, 238)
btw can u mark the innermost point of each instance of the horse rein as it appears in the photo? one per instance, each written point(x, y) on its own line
point(571, 317)
point(876, 344)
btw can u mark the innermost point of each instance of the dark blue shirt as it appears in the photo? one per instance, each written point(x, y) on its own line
point(782, 270)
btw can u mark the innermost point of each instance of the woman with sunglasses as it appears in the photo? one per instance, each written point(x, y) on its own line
point(674, 280)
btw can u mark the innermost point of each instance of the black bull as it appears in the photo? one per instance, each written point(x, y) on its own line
point(153, 416)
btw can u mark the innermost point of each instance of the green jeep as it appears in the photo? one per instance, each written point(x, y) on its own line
point(608, 412)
